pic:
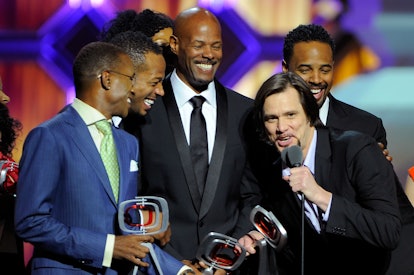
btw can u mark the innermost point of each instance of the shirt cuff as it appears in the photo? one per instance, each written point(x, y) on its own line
point(109, 250)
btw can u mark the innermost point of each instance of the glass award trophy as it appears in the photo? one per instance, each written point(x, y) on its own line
point(274, 234)
point(144, 215)
point(219, 251)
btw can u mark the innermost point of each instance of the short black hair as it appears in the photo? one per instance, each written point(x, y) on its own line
point(148, 22)
point(93, 59)
point(305, 33)
point(151, 22)
point(137, 45)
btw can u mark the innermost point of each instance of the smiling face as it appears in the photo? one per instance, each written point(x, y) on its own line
point(198, 46)
point(313, 61)
point(148, 83)
point(285, 120)
point(118, 97)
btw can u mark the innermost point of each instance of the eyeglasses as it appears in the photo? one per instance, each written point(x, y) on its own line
point(131, 77)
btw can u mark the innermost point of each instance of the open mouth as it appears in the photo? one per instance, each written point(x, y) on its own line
point(316, 91)
point(149, 102)
point(205, 67)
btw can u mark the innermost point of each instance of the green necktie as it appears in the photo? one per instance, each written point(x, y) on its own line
point(108, 155)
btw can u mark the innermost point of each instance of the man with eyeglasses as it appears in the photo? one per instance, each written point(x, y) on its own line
point(67, 200)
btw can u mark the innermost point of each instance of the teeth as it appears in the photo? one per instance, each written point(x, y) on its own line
point(205, 66)
point(129, 100)
point(315, 91)
point(149, 101)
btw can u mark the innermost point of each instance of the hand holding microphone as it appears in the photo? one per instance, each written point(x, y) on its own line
point(300, 180)
point(292, 156)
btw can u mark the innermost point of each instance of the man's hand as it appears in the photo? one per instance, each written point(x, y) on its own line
point(130, 247)
point(385, 151)
point(248, 241)
point(196, 268)
point(164, 237)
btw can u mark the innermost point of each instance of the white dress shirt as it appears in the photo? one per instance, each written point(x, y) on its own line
point(183, 94)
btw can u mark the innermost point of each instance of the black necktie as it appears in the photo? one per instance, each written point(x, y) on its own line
point(198, 142)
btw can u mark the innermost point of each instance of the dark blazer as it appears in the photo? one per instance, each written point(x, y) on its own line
point(364, 222)
point(231, 191)
point(347, 117)
point(65, 205)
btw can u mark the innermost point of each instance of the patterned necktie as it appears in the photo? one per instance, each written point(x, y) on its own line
point(108, 155)
point(198, 142)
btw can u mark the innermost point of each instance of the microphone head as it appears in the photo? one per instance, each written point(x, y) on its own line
point(292, 156)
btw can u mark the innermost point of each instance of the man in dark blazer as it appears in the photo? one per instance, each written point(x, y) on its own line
point(308, 50)
point(167, 169)
point(352, 221)
point(66, 206)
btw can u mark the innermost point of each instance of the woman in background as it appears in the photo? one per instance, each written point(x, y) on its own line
point(11, 248)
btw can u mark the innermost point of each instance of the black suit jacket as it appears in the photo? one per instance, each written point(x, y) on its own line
point(346, 117)
point(364, 221)
point(167, 171)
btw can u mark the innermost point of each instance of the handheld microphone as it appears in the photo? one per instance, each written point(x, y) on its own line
point(292, 156)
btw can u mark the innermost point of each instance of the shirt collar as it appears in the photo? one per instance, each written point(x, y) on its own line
point(186, 93)
point(88, 114)
point(323, 111)
point(310, 156)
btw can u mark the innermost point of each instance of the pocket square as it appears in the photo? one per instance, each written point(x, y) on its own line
point(133, 166)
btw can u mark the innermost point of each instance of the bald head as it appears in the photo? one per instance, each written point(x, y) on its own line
point(193, 16)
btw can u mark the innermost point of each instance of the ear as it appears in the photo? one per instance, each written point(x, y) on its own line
point(285, 67)
point(174, 44)
point(105, 80)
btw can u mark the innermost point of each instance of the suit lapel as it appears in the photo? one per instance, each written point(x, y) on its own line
point(181, 141)
point(219, 148)
point(336, 114)
point(81, 137)
point(323, 159)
